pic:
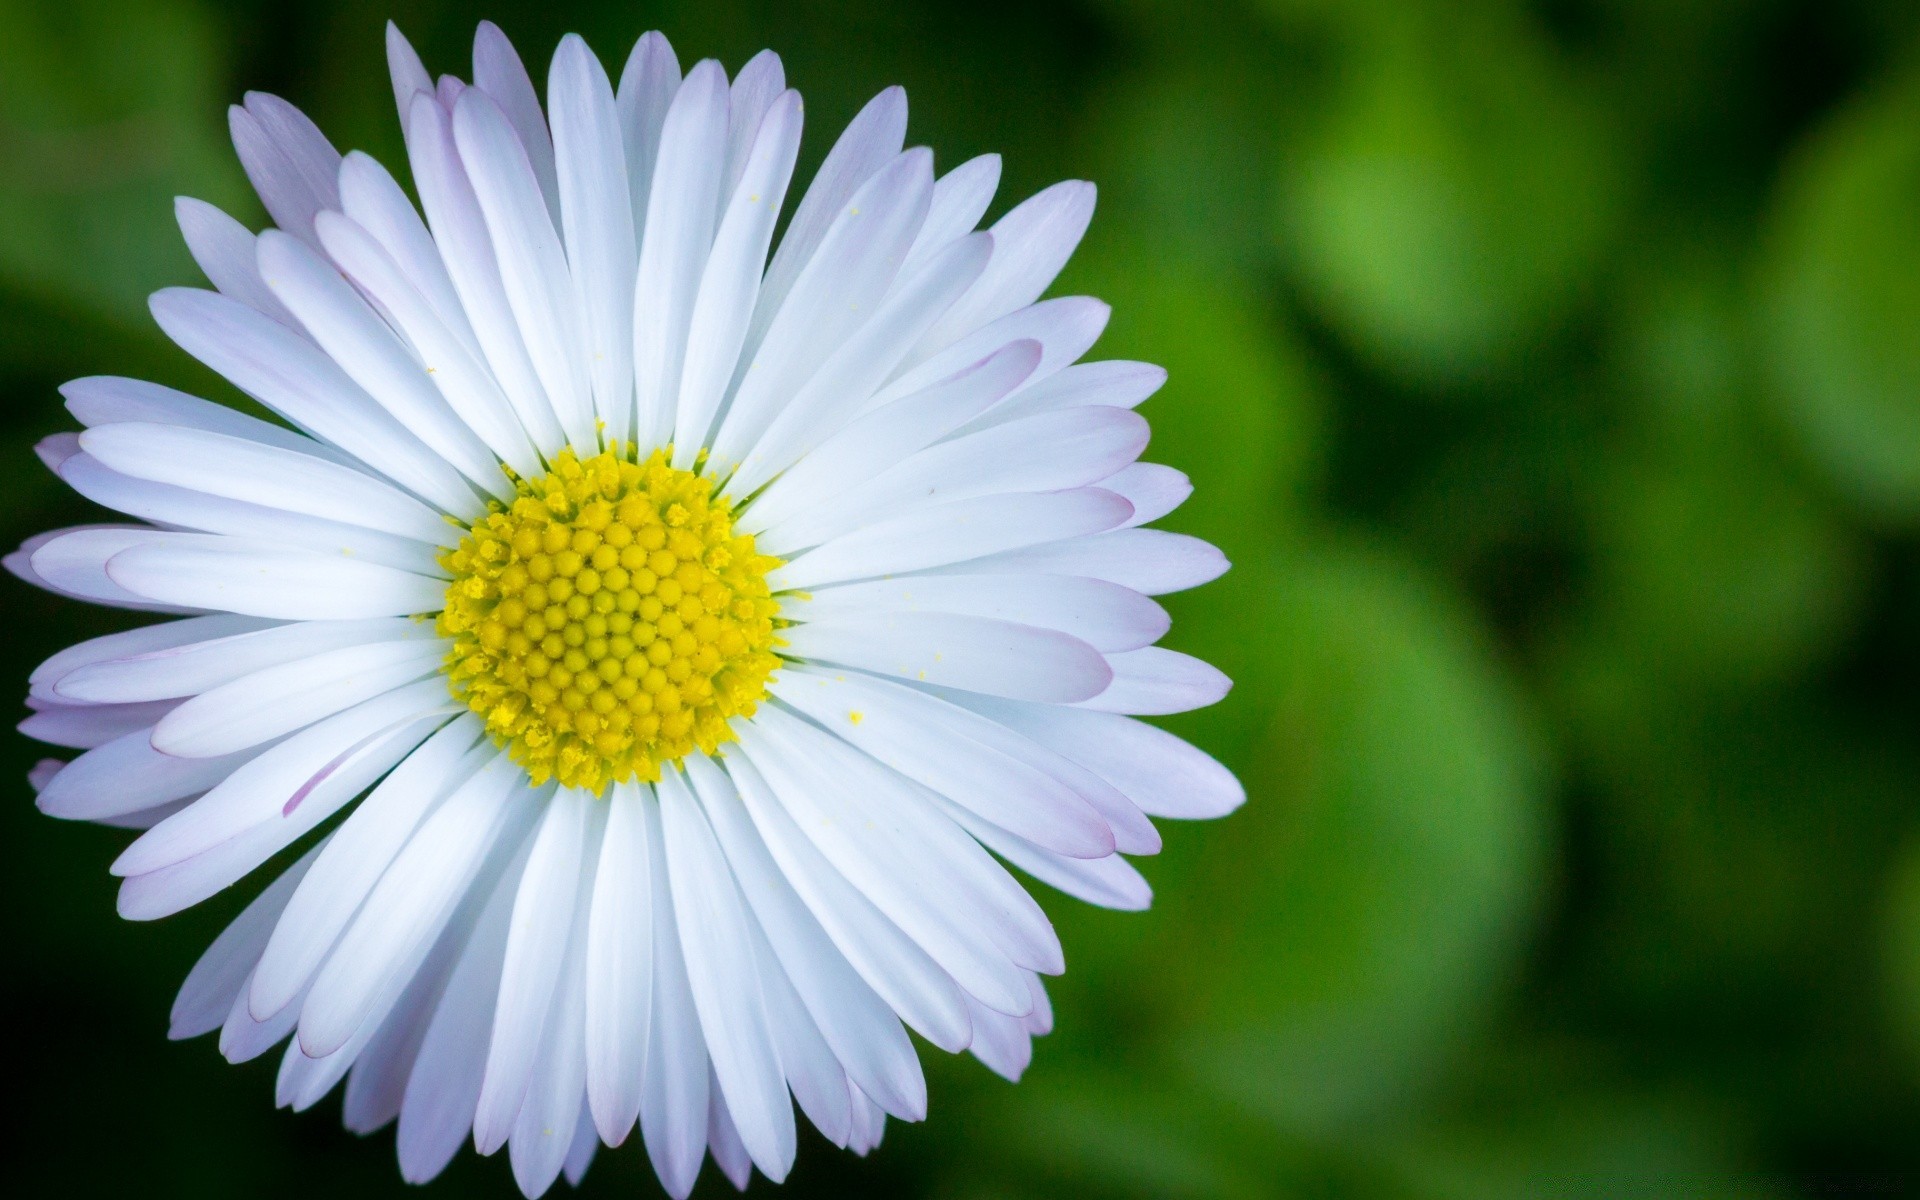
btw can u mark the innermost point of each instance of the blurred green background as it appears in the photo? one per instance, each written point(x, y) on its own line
point(1551, 373)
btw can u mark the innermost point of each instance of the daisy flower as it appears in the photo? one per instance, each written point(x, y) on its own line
point(640, 653)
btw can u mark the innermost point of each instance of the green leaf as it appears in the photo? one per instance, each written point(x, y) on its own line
point(107, 111)
point(1376, 886)
point(1842, 299)
point(1455, 196)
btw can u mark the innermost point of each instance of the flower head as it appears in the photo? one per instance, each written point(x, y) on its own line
point(656, 647)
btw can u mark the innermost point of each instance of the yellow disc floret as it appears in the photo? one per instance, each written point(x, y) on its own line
point(608, 620)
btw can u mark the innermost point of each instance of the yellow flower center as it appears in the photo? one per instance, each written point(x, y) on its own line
point(608, 620)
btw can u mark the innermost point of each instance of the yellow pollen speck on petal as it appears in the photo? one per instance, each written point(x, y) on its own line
point(607, 620)
point(856, 716)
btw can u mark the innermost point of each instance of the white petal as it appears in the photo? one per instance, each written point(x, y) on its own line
point(890, 433)
point(753, 94)
point(979, 654)
point(128, 775)
point(897, 857)
point(460, 373)
point(1046, 453)
point(1156, 770)
point(950, 533)
point(224, 250)
point(444, 1086)
point(619, 967)
point(869, 142)
point(460, 229)
point(723, 1138)
point(184, 509)
point(543, 913)
point(208, 994)
point(813, 1073)
point(597, 219)
point(543, 1130)
point(108, 400)
point(413, 901)
point(289, 161)
point(264, 580)
point(408, 74)
point(170, 889)
point(717, 936)
point(1104, 615)
point(291, 376)
point(674, 1104)
point(834, 296)
point(356, 858)
point(857, 1025)
point(86, 726)
point(189, 661)
point(1115, 383)
point(1150, 561)
point(953, 752)
point(960, 197)
point(730, 283)
point(1110, 882)
point(533, 267)
point(838, 392)
point(891, 962)
point(1155, 681)
point(237, 469)
point(586, 1143)
point(275, 787)
point(647, 86)
point(278, 700)
point(681, 212)
point(365, 347)
point(1153, 490)
point(1065, 328)
point(1031, 244)
point(74, 562)
point(498, 71)
point(373, 201)
point(46, 679)
point(1001, 1042)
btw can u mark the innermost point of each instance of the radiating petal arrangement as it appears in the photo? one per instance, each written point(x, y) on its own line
point(650, 640)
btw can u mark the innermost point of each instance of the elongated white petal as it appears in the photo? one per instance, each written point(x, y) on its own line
point(980, 654)
point(1031, 244)
point(412, 902)
point(619, 966)
point(409, 75)
point(220, 465)
point(682, 210)
point(730, 283)
point(367, 349)
point(1047, 453)
point(289, 161)
point(372, 200)
point(837, 292)
point(73, 562)
point(128, 775)
point(860, 1027)
point(1065, 328)
point(356, 858)
point(955, 753)
point(208, 993)
point(891, 433)
point(47, 678)
point(960, 198)
point(1104, 615)
point(214, 651)
point(647, 86)
point(717, 938)
point(533, 266)
point(86, 726)
point(275, 786)
point(1116, 383)
point(1152, 562)
point(108, 399)
point(951, 533)
point(1153, 490)
point(869, 142)
point(597, 220)
point(291, 376)
point(278, 700)
point(543, 914)
point(498, 71)
point(263, 580)
point(224, 250)
point(673, 1104)
point(460, 228)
